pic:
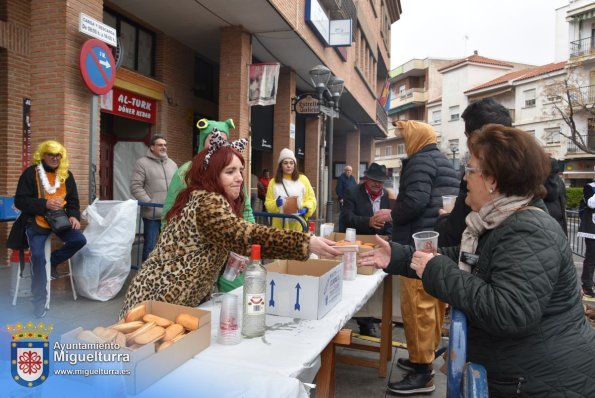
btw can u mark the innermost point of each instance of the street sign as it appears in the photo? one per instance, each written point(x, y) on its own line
point(98, 67)
point(98, 30)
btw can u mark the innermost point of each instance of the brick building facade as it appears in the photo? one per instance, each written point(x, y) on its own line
point(191, 63)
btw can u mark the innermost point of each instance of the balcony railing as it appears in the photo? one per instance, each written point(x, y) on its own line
point(587, 94)
point(412, 95)
point(571, 147)
point(582, 47)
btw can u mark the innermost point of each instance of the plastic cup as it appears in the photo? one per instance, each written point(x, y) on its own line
point(216, 300)
point(448, 202)
point(229, 321)
point(326, 229)
point(349, 266)
point(350, 234)
point(426, 241)
point(235, 263)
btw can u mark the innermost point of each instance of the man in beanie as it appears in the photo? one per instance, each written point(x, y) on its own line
point(290, 192)
point(150, 179)
point(206, 128)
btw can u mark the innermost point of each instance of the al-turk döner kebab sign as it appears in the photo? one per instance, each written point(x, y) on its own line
point(131, 105)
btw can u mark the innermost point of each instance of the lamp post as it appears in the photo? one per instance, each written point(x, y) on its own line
point(454, 148)
point(329, 89)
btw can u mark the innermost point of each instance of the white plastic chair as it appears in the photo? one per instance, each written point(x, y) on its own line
point(48, 271)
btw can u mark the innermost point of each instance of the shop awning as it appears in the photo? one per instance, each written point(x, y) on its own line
point(579, 175)
point(580, 14)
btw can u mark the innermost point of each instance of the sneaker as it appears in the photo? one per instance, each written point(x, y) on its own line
point(405, 363)
point(413, 383)
point(588, 293)
point(39, 310)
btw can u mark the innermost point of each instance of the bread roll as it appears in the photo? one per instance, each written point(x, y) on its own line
point(188, 321)
point(127, 327)
point(145, 328)
point(153, 334)
point(172, 331)
point(164, 345)
point(136, 313)
point(159, 321)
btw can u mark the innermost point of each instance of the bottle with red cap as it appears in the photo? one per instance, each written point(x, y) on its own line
point(255, 279)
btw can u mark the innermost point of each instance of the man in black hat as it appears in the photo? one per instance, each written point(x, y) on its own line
point(366, 206)
point(367, 209)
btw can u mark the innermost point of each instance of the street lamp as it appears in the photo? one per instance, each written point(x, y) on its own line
point(454, 148)
point(329, 89)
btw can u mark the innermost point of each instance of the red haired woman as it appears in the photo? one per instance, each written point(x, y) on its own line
point(204, 225)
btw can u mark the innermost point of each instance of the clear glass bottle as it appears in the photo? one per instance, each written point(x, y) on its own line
point(255, 279)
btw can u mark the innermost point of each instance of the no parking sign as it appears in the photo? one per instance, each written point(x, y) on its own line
point(98, 67)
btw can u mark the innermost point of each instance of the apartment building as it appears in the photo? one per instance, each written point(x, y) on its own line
point(187, 60)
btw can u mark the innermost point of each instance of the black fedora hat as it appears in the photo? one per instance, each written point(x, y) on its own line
point(376, 172)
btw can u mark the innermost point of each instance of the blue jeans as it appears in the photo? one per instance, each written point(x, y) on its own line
point(73, 240)
point(151, 233)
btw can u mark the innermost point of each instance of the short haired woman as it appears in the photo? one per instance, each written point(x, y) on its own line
point(513, 275)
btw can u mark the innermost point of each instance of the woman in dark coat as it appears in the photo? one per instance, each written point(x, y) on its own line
point(515, 279)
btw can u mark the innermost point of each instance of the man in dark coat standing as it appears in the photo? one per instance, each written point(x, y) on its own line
point(344, 182)
point(367, 209)
point(426, 176)
point(451, 226)
point(587, 230)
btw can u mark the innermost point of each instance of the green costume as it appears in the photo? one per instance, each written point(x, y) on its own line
point(177, 184)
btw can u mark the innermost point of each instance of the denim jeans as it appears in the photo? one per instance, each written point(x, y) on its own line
point(151, 233)
point(73, 240)
point(588, 265)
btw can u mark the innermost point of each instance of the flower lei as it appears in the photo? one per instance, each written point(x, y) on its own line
point(45, 182)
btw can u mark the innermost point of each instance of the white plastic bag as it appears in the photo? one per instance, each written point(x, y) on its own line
point(101, 267)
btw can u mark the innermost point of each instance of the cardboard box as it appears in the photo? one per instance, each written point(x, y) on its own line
point(148, 366)
point(7, 209)
point(361, 270)
point(303, 289)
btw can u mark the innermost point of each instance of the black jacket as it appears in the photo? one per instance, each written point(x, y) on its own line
point(451, 226)
point(357, 210)
point(523, 306)
point(555, 199)
point(425, 177)
point(587, 214)
point(30, 204)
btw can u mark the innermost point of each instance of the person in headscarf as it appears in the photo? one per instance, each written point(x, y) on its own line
point(426, 175)
point(48, 185)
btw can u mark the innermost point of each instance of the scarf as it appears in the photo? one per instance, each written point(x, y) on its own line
point(488, 217)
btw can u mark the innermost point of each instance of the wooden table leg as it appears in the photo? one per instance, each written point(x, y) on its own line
point(325, 379)
point(386, 330)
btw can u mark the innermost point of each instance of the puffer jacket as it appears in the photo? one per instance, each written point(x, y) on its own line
point(425, 177)
point(525, 319)
point(150, 180)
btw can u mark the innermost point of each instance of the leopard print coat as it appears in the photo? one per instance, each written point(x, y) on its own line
point(193, 248)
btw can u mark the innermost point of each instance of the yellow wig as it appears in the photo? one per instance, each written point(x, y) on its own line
point(52, 146)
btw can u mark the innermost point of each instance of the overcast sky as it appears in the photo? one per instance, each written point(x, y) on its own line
point(511, 30)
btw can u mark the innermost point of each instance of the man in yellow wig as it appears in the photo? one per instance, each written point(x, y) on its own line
point(45, 186)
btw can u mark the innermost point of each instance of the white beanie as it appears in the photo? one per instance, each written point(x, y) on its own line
point(286, 153)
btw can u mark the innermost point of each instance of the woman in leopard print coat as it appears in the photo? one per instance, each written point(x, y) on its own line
point(203, 226)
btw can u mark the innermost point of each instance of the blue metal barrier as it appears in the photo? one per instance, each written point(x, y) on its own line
point(138, 262)
point(284, 217)
point(470, 377)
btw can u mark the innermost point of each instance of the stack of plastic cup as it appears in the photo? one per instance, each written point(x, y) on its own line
point(350, 234)
point(349, 266)
point(229, 321)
